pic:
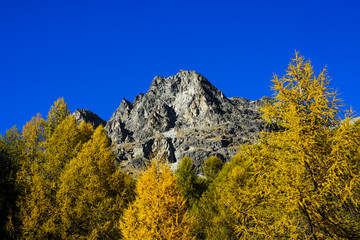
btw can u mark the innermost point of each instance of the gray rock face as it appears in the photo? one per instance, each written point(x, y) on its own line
point(81, 115)
point(183, 115)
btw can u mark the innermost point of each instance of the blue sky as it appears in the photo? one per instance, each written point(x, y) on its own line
point(95, 53)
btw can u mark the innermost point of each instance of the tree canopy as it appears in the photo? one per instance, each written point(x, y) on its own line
point(159, 210)
point(303, 180)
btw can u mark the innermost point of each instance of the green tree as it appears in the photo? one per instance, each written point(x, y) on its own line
point(212, 167)
point(93, 193)
point(159, 211)
point(187, 180)
point(213, 218)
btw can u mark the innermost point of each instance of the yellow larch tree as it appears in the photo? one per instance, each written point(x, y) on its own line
point(45, 154)
point(10, 157)
point(93, 192)
point(33, 200)
point(64, 144)
point(58, 112)
point(159, 211)
point(301, 182)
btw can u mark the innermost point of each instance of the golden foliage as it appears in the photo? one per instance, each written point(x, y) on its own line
point(48, 146)
point(72, 188)
point(10, 156)
point(58, 112)
point(301, 182)
point(43, 164)
point(93, 192)
point(159, 211)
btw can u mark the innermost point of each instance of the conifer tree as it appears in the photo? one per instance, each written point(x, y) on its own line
point(187, 180)
point(301, 182)
point(58, 112)
point(93, 193)
point(159, 211)
point(48, 146)
point(36, 132)
point(63, 145)
point(213, 219)
point(30, 178)
point(212, 167)
point(10, 156)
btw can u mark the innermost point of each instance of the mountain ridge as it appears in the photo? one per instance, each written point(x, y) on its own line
point(183, 115)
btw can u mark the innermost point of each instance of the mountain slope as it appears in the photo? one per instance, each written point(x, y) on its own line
point(183, 115)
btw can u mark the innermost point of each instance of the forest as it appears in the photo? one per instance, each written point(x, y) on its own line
point(61, 180)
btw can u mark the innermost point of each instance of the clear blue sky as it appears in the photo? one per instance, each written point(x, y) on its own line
point(95, 53)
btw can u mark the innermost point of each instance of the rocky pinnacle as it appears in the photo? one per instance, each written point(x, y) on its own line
point(183, 115)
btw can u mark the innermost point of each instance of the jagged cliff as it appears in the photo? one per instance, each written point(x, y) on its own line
point(88, 116)
point(182, 115)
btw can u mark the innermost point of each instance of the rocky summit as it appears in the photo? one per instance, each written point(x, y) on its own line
point(88, 116)
point(183, 115)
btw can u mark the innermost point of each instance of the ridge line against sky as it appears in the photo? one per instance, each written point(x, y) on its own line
point(95, 53)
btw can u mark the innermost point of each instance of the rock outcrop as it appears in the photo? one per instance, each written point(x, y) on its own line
point(182, 115)
point(88, 116)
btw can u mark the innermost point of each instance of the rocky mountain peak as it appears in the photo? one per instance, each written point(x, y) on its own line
point(190, 95)
point(184, 82)
point(81, 115)
point(183, 77)
point(182, 115)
